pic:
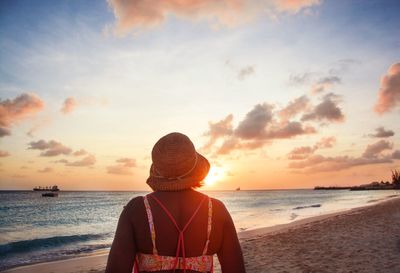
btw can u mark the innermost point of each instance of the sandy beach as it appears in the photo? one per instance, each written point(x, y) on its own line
point(365, 239)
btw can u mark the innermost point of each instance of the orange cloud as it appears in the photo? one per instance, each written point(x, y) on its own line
point(319, 163)
point(69, 105)
point(294, 6)
point(389, 92)
point(294, 107)
point(124, 166)
point(372, 155)
point(80, 152)
point(218, 130)
point(4, 153)
point(300, 153)
point(46, 170)
point(22, 107)
point(138, 14)
point(326, 142)
point(87, 161)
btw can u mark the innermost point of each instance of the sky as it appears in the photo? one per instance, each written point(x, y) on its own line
point(277, 94)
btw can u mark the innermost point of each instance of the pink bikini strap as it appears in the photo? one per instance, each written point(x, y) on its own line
point(209, 225)
point(151, 224)
point(181, 240)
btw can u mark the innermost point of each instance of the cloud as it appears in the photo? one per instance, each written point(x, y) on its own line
point(46, 170)
point(87, 161)
point(324, 83)
point(228, 145)
point(294, 6)
point(31, 132)
point(234, 143)
point(142, 14)
point(253, 125)
point(389, 92)
point(326, 142)
point(396, 154)
point(372, 155)
point(4, 153)
point(124, 166)
point(69, 105)
point(19, 176)
point(50, 148)
point(289, 130)
point(294, 107)
point(319, 163)
point(80, 152)
point(342, 66)
point(245, 72)
point(301, 153)
point(12, 111)
point(217, 130)
point(4, 132)
point(127, 162)
point(298, 79)
point(374, 150)
point(328, 110)
point(380, 132)
point(38, 125)
point(63, 161)
point(259, 127)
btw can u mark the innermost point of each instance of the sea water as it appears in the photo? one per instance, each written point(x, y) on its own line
point(37, 229)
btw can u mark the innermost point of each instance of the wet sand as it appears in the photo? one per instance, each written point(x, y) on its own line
point(364, 239)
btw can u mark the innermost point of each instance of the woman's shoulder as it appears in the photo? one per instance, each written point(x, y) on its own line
point(134, 204)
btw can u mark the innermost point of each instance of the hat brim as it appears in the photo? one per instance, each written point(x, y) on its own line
point(192, 179)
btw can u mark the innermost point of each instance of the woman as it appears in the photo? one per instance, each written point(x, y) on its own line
point(175, 227)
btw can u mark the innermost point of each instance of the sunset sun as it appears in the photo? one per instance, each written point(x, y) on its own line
point(215, 175)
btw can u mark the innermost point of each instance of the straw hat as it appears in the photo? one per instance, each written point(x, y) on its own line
point(176, 164)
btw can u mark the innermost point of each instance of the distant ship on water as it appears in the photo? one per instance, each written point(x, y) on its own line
point(53, 188)
point(238, 188)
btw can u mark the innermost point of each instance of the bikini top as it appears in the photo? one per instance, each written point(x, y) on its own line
point(155, 262)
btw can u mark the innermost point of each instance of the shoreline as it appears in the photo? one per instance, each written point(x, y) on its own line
point(96, 261)
point(261, 231)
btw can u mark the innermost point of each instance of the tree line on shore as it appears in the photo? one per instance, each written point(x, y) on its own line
point(395, 184)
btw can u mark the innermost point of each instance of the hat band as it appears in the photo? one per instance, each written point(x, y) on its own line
point(158, 175)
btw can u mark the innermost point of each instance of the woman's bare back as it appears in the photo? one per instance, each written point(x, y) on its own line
point(133, 227)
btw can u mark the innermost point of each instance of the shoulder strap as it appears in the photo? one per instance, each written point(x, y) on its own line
point(151, 224)
point(172, 217)
point(209, 225)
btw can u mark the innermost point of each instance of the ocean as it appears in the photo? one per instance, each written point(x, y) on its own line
point(36, 229)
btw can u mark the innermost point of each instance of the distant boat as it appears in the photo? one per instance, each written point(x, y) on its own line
point(238, 188)
point(53, 188)
point(49, 194)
